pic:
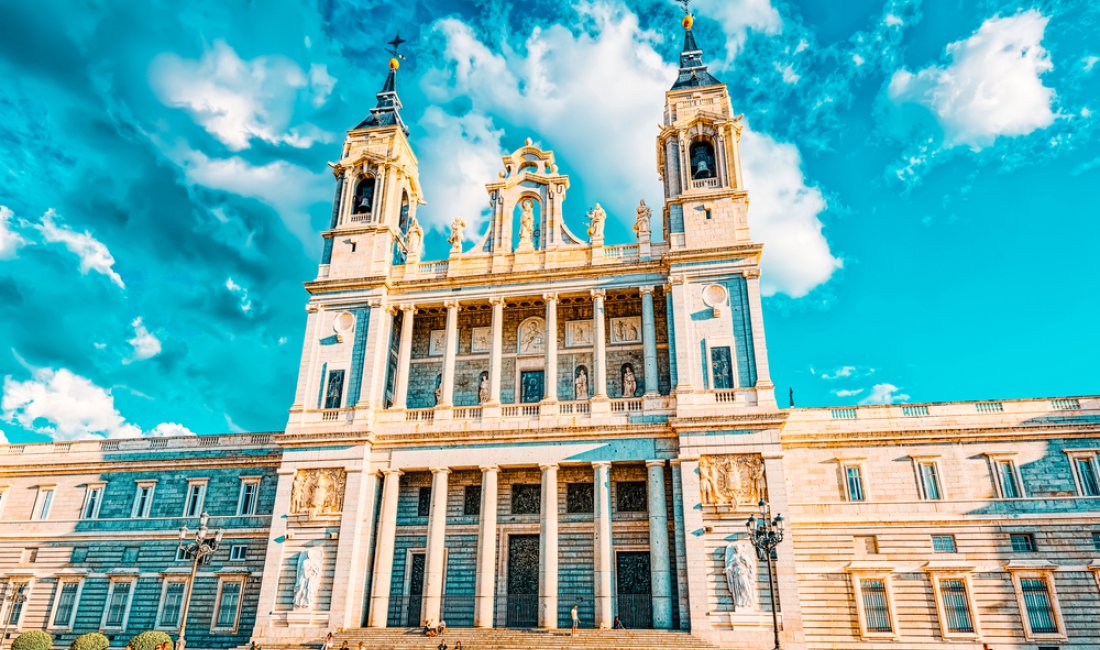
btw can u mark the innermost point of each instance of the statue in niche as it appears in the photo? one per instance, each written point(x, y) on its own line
point(580, 384)
point(438, 388)
point(483, 387)
point(415, 239)
point(318, 492)
point(457, 226)
point(630, 382)
point(641, 221)
point(731, 479)
point(596, 218)
point(307, 582)
point(740, 569)
point(526, 224)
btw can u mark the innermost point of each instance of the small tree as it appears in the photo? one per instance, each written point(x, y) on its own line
point(33, 640)
point(150, 640)
point(90, 641)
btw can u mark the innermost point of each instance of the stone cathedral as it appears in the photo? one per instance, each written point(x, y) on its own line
point(544, 421)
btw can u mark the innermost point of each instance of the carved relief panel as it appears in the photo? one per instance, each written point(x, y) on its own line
point(318, 492)
point(735, 480)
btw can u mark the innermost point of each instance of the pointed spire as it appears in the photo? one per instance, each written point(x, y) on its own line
point(385, 113)
point(693, 73)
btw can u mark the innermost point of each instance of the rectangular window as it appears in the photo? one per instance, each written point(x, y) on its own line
point(1087, 476)
point(1009, 481)
point(423, 501)
point(866, 544)
point(143, 501)
point(1022, 542)
point(853, 479)
point(30, 556)
point(471, 500)
point(171, 606)
point(182, 555)
point(956, 606)
point(1096, 541)
point(944, 544)
point(238, 553)
point(334, 389)
point(929, 481)
point(118, 605)
point(249, 497)
point(526, 498)
point(229, 599)
point(876, 607)
point(92, 499)
point(1040, 609)
point(578, 498)
point(721, 367)
point(196, 497)
point(66, 604)
point(18, 594)
point(43, 503)
point(630, 496)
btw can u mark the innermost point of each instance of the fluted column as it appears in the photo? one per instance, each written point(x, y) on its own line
point(496, 349)
point(486, 581)
point(548, 553)
point(660, 578)
point(404, 356)
point(602, 524)
point(678, 543)
point(551, 342)
point(437, 529)
point(599, 352)
point(649, 341)
point(383, 552)
point(446, 394)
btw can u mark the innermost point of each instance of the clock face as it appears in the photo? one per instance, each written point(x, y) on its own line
point(714, 295)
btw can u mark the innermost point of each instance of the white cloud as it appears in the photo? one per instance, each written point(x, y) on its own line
point(843, 371)
point(885, 394)
point(3, 437)
point(992, 85)
point(893, 20)
point(236, 100)
point(1089, 62)
point(93, 254)
point(165, 429)
point(785, 215)
point(845, 392)
point(10, 241)
point(738, 18)
point(789, 75)
point(241, 293)
point(145, 344)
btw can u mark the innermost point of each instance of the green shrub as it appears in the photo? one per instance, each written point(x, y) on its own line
point(90, 641)
point(33, 640)
point(150, 640)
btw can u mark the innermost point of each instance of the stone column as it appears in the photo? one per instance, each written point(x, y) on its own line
point(603, 560)
point(486, 581)
point(649, 341)
point(435, 565)
point(599, 352)
point(446, 394)
point(350, 178)
point(551, 347)
point(383, 553)
point(374, 361)
point(495, 352)
point(678, 541)
point(404, 356)
point(661, 580)
point(548, 551)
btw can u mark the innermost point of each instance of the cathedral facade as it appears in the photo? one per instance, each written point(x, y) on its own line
point(545, 421)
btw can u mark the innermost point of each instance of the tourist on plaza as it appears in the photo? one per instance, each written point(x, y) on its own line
point(329, 641)
point(575, 618)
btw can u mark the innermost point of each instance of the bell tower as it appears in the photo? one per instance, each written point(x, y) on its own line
point(699, 158)
point(377, 191)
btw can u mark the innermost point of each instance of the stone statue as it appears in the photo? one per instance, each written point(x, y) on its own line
point(308, 579)
point(438, 388)
point(526, 224)
point(457, 226)
point(415, 239)
point(630, 382)
point(740, 569)
point(580, 384)
point(731, 479)
point(595, 224)
point(318, 492)
point(483, 387)
point(641, 221)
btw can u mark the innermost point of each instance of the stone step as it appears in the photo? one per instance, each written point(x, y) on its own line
point(510, 639)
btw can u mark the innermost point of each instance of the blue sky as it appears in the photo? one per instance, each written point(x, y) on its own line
point(924, 176)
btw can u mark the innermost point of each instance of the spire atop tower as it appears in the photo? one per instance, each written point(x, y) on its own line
point(693, 73)
point(385, 113)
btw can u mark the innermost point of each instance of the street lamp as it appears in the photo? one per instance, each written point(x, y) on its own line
point(12, 598)
point(765, 533)
point(198, 545)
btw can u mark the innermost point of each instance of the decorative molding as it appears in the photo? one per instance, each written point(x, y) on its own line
point(318, 492)
point(732, 479)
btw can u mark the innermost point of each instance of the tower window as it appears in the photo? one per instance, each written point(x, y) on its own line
point(364, 196)
point(334, 392)
point(702, 160)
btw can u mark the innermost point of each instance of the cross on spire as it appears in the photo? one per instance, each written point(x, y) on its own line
point(398, 41)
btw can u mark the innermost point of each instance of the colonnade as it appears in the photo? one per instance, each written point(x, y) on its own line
point(485, 580)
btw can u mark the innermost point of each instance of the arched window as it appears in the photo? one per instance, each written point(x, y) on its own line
point(702, 160)
point(363, 200)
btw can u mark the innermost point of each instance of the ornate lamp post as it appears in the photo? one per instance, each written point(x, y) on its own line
point(12, 597)
point(765, 533)
point(199, 545)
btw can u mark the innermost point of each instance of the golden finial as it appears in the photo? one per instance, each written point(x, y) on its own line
point(688, 21)
point(394, 63)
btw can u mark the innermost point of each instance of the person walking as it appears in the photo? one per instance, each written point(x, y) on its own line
point(575, 618)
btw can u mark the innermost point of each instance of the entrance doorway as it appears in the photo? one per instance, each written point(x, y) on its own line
point(523, 581)
point(635, 603)
point(531, 386)
point(415, 601)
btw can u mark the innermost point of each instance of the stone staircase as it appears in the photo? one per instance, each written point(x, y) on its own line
point(516, 639)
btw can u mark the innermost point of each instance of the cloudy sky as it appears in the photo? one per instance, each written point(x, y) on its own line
point(925, 177)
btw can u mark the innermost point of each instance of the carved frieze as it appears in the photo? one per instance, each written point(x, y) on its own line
point(735, 480)
point(318, 492)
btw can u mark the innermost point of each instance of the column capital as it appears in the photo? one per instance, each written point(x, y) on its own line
point(410, 309)
point(598, 293)
point(550, 297)
point(440, 470)
point(376, 303)
point(598, 464)
point(548, 466)
point(390, 470)
point(311, 309)
point(647, 290)
point(655, 463)
point(676, 279)
point(485, 469)
point(675, 462)
point(496, 300)
point(451, 304)
point(751, 273)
